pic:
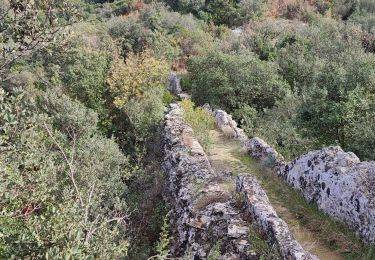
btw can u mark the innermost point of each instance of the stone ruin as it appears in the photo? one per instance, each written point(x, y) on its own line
point(340, 184)
point(203, 211)
point(226, 124)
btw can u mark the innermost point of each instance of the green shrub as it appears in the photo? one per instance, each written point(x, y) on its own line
point(138, 87)
point(201, 122)
point(167, 98)
point(231, 80)
point(130, 33)
point(277, 127)
point(162, 246)
point(62, 183)
point(186, 83)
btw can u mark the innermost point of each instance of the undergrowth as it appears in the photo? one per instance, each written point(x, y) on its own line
point(259, 244)
point(201, 122)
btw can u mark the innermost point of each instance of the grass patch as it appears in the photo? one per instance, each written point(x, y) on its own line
point(260, 245)
point(201, 122)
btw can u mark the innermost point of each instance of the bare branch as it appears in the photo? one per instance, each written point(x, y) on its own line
point(92, 231)
point(89, 203)
point(70, 165)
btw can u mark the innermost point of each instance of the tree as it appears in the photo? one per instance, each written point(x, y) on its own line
point(130, 79)
point(62, 182)
point(27, 26)
point(138, 85)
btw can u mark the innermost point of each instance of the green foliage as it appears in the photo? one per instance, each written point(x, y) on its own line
point(223, 11)
point(229, 81)
point(344, 8)
point(146, 113)
point(260, 245)
point(28, 26)
point(130, 33)
point(138, 87)
point(186, 83)
point(365, 15)
point(164, 241)
point(84, 75)
point(250, 9)
point(167, 98)
point(154, 28)
point(62, 182)
point(337, 84)
point(215, 253)
point(132, 78)
point(201, 122)
point(277, 126)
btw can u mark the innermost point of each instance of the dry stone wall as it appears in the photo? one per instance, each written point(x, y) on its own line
point(203, 211)
point(261, 210)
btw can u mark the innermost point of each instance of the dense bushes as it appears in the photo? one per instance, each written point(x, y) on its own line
point(62, 181)
point(323, 65)
point(68, 103)
point(232, 80)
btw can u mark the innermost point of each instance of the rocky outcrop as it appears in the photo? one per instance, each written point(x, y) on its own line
point(275, 229)
point(226, 124)
point(261, 151)
point(202, 212)
point(339, 183)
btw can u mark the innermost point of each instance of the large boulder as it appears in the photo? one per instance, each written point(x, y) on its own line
point(339, 183)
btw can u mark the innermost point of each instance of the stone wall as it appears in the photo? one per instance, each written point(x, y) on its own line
point(226, 124)
point(261, 151)
point(203, 211)
point(261, 210)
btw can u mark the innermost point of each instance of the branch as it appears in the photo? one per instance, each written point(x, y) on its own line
point(89, 203)
point(70, 164)
point(32, 46)
point(92, 231)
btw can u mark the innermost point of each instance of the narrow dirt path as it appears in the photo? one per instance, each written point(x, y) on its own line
point(227, 154)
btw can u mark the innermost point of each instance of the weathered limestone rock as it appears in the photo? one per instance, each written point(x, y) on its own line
point(174, 83)
point(225, 122)
point(261, 151)
point(262, 212)
point(202, 212)
point(339, 183)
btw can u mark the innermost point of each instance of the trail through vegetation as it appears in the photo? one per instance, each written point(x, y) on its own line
point(315, 231)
